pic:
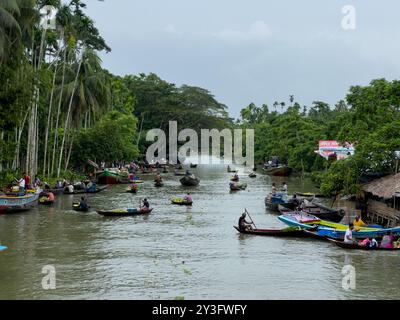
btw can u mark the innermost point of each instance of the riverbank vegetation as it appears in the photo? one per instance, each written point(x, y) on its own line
point(60, 108)
point(368, 116)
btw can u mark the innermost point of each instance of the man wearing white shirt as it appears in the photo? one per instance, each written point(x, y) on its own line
point(21, 184)
point(348, 237)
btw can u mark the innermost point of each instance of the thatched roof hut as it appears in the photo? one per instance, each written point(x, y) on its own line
point(384, 188)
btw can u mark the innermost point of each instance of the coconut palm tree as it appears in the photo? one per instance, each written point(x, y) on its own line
point(88, 93)
point(9, 9)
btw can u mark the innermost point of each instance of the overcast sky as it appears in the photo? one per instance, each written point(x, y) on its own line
point(253, 51)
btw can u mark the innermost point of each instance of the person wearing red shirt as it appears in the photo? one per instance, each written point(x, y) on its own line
point(27, 179)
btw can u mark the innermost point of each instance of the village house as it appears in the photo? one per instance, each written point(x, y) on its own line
point(381, 201)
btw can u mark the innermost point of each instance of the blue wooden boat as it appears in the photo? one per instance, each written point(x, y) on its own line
point(362, 234)
point(327, 229)
point(10, 204)
point(309, 221)
point(3, 248)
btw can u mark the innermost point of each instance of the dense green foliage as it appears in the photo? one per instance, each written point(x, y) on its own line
point(111, 139)
point(59, 107)
point(369, 116)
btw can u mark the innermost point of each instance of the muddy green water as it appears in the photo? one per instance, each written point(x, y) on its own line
point(180, 252)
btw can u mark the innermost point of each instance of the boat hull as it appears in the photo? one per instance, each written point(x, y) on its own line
point(288, 232)
point(18, 204)
point(124, 213)
point(190, 182)
point(282, 171)
point(360, 235)
point(238, 187)
point(181, 202)
point(98, 189)
point(350, 246)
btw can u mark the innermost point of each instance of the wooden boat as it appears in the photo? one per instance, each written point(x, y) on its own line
point(179, 173)
point(252, 175)
point(288, 232)
point(181, 202)
point(131, 190)
point(98, 189)
point(309, 222)
point(124, 212)
point(357, 246)
point(280, 171)
point(190, 181)
point(193, 165)
point(273, 202)
point(3, 248)
point(18, 204)
point(45, 201)
point(315, 209)
point(136, 180)
point(238, 186)
point(77, 207)
point(309, 195)
point(232, 171)
point(327, 229)
point(359, 233)
point(112, 177)
point(55, 191)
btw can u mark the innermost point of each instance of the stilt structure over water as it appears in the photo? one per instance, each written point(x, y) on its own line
point(381, 201)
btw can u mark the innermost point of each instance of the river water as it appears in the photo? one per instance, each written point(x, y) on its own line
point(178, 252)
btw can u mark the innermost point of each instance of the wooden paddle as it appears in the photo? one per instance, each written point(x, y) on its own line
point(250, 218)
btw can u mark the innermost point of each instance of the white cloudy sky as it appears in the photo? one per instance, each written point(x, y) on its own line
point(253, 51)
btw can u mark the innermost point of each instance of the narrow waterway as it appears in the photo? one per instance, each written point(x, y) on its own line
point(192, 253)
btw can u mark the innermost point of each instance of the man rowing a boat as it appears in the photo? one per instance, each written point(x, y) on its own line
point(146, 204)
point(243, 224)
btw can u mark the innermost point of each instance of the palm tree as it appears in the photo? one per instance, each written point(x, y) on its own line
point(17, 18)
point(64, 21)
point(9, 9)
point(88, 94)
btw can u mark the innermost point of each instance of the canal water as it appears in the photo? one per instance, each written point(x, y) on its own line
point(178, 252)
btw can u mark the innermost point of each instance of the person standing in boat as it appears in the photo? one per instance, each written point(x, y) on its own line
point(348, 237)
point(243, 224)
point(27, 179)
point(284, 188)
point(22, 186)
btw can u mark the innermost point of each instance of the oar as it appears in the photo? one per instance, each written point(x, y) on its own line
point(250, 218)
